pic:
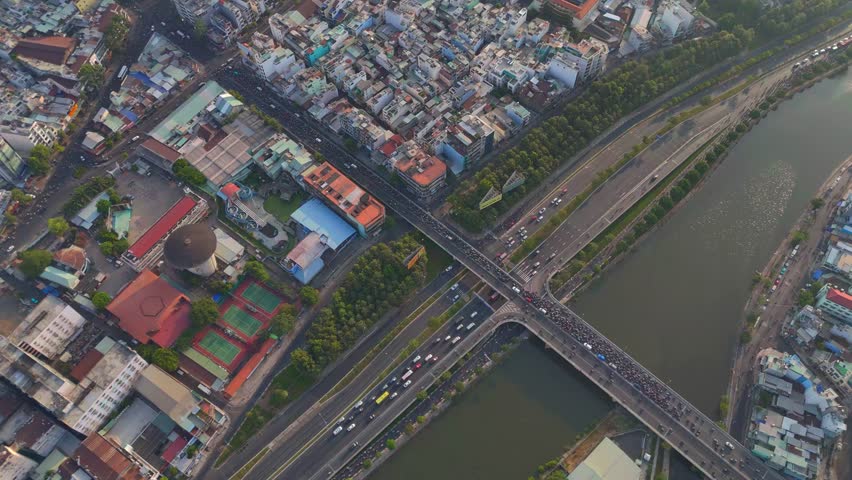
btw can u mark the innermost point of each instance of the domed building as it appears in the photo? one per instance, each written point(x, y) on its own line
point(191, 247)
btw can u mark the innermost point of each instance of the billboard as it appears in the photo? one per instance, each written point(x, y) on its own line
point(414, 257)
point(493, 196)
point(515, 180)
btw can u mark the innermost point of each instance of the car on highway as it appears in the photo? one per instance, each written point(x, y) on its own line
point(418, 365)
point(10, 249)
point(406, 384)
point(428, 358)
point(447, 338)
point(337, 431)
point(395, 394)
point(350, 427)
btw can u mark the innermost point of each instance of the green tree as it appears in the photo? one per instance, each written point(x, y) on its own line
point(303, 362)
point(186, 173)
point(806, 298)
point(219, 286)
point(120, 246)
point(282, 323)
point(12, 219)
point(58, 226)
point(799, 236)
point(103, 206)
point(166, 358)
point(199, 30)
point(817, 203)
point(204, 312)
point(309, 295)
point(391, 444)
point(19, 196)
point(107, 248)
point(116, 33)
point(39, 160)
point(256, 270)
point(421, 395)
point(91, 76)
point(279, 397)
point(33, 262)
point(101, 300)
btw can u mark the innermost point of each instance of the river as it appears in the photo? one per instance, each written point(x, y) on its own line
point(675, 303)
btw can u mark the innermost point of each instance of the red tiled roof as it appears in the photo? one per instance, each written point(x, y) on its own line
point(249, 367)
point(839, 297)
point(579, 11)
point(151, 310)
point(161, 149)
point(103, 461)
point(230, 189)
point(73, 256)
point(162, 227)
point(174, 448)
point(55, 50)
point(86, 364)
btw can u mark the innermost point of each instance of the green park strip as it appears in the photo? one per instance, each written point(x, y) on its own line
point(368, 358)
point(537, 238)
point(247, 468)
point(287, 386)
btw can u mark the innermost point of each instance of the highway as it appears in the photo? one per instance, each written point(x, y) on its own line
point(628, 185)
point(659, 158)
point(665, 408)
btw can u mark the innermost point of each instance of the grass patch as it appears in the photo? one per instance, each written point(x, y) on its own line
point(291, 380)
point(283, 209)
point(255, 419)
point(362, 364)
point(245, 470)
point(438, 259)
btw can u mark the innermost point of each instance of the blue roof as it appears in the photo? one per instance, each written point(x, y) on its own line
point(817, 274)
point(316, 217)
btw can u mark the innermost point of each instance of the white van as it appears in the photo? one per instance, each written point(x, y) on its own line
point(473, 315)
point(337, 431)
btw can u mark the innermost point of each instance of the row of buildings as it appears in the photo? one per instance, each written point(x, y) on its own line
point(422, 88)
point(796, 415)
point(43, 47)
point(222, 20)
point(138, 420)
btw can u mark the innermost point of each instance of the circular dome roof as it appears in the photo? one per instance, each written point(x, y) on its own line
point(190, 245)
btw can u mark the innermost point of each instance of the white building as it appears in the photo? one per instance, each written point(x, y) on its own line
point(48, 329)
point(673, 20)
point(580, 62)
point(836, 303)
point(99, 382)
point(192, 10)
point(268, 60)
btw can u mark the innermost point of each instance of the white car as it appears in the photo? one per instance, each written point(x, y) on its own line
point(337, 431)
point(350, 427)
point(10, 249)
point(319, 140)
point(406, 384)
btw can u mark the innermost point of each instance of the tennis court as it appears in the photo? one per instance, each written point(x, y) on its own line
point(220, 348)
point(261, 297)
point(242, 321)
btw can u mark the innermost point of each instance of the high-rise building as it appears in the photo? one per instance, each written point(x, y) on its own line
point(12, 166)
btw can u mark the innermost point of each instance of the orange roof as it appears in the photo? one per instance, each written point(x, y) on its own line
point(580, 11)
point(345, 194)
point(151, 310)
point(424, 172)
point(73, 256)
point(249, 368)
point(229, 190)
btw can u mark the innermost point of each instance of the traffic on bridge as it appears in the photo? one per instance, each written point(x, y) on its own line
point(665, 411)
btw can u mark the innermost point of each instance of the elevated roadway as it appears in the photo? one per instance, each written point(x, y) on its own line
point(663, 409)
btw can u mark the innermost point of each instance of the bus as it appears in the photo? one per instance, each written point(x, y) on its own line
point(407, 374)
point(382, 398)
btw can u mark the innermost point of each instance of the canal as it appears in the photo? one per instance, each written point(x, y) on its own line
point(675, 303)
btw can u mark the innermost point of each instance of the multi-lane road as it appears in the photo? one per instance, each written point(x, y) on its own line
point(665, 409)
point(629, 184)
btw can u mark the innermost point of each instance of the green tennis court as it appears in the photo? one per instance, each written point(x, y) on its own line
point(261, 297)
point(220, 348)
point(242, 321)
